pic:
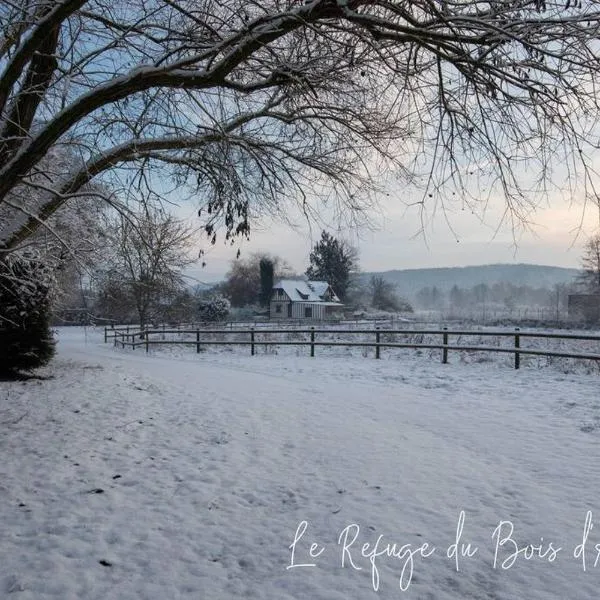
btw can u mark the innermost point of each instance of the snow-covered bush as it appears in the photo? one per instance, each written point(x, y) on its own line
point(213, 309)
point(25, 337)
point(245, 313)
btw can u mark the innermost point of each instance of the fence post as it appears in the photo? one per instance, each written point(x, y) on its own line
point(517, 345)
point(445, 349)
point(312, 341)
point(146, 340)
point(377, 339)
point(197, 341)
point(105, 335)
point(252, 341)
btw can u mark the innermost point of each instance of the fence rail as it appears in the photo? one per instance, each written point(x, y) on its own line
point(135, 337)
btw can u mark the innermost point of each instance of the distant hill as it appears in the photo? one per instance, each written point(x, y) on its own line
point(409, 281)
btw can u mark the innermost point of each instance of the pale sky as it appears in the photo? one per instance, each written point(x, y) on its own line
point(394, 242)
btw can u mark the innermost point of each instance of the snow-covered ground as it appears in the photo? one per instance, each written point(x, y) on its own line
point(129, 475)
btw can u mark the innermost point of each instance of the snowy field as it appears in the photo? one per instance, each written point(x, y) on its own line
point(155, 476)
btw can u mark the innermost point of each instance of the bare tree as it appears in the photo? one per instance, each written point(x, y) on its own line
point(250, 104)
point(384, 297)
point(69, 237)
point(590, 278)
point(70, 242)
point(145, 260)
point(243, 284)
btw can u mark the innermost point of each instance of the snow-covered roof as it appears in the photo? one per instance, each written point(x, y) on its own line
point(319, 287)
point(299, 290)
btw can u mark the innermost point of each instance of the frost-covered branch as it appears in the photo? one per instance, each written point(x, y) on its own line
point(461, 96)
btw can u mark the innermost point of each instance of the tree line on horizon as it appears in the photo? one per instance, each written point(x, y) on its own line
point(139, 278)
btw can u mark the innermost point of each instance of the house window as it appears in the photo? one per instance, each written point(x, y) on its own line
point(308, 312)
point(278, 308)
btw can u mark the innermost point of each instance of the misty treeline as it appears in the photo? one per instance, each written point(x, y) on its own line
point(503, 296)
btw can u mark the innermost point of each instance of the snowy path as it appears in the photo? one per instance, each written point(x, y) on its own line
point(208, 464)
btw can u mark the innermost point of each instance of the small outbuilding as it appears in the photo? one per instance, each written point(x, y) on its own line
point(299, 299)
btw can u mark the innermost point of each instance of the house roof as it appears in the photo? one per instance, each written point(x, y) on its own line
point(299, 290)
point(319, 287)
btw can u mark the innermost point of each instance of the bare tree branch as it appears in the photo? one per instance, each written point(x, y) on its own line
point(252, 105)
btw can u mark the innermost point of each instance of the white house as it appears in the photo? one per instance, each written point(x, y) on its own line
point(297, 299)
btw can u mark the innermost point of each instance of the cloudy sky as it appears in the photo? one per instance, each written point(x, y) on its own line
point(395, 239)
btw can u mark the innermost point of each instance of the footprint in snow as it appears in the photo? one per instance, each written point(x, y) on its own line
point(220, 439)
point(12, 583)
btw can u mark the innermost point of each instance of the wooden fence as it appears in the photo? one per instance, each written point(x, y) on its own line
point(135, 337)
